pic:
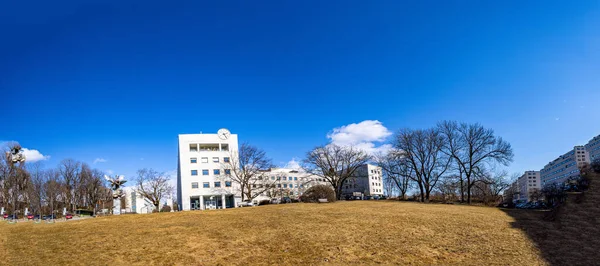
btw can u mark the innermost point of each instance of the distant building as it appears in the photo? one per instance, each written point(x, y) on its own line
point(593, 148)
point(527, 184)
point(565, 166)
point(202, 181)
point(367, 179)
point(284, 182)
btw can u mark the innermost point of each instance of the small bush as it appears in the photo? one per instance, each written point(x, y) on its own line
point(554, 194)
point(165, 208)
point(596, 165)
point(313, 194)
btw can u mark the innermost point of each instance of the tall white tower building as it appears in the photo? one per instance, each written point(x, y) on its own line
point(202, 177)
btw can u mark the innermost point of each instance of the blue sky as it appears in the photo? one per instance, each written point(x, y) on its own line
point(118, 81)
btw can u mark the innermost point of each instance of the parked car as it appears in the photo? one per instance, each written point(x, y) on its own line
point(11, 217)
point(275, 201)
point(376, 197)
point(5, 216)
point(69, 216)
point(49, 217)
point(246, 203)
point(29, 216)
point(286, 200)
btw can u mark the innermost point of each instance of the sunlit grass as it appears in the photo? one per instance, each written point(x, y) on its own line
point(366, 232)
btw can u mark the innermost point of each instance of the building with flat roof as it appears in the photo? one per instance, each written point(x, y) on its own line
point(565, 166)
point(367, 179)
point(202, 181)
point(528, 183)
point(593, 148)
point(285, 182)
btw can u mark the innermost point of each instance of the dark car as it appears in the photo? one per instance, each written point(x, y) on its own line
point(286, 200)
point(49, 217)
point(11, 217)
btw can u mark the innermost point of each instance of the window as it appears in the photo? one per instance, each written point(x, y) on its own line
point(227, 171)
point(295, 178)
point(193, 147)
point(278, 185)
point(193, 160)
point(204, 160)
point(206, 185)
point(216, 172)
point(217, 184)
point(194, 172)
point(284, 185)
point(228, 183)
point(226, 159)
point(215, 159)
point(194, 184)
point(204, 171)
point(272, 178)
point(290, 178)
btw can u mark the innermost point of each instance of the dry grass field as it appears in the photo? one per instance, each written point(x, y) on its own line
point(357, 232)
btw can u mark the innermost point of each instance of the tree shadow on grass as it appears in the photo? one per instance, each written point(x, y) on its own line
point(567, 236)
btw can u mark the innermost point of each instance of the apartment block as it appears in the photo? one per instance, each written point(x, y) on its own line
point(527, 184)
point(202, 175)
point(593, 148)
point(367, 179)
point(565, 166)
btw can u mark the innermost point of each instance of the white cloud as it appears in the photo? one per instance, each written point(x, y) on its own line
point(293, 164)
point(99, 160)
point(31, 155)
point(34, 155)
point(110, 172)
point(363, 135)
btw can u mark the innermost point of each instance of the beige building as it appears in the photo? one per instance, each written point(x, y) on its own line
point(565, 166)
point(528, 183)
point(593, 148)
point(367, 179)
point(284, 182)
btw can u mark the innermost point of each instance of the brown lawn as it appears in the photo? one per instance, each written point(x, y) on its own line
point(358, 232)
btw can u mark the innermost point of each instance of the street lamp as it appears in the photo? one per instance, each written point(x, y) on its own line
point(14, 156)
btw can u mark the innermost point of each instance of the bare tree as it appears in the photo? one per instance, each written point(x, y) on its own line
point(36, 189)
point(473, 147)
point(246, 167)
point(491, 184)
point(395, 171)
point(420, 152)
point(153, 186)
point(335, 164)
point(69, 171)
point(94, 189)
point(53, 188)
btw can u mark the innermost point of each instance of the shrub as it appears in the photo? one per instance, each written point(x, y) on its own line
point(165, 208)
point(554, 194)
point(596, 165)
point(264, 202)
point(313, 194)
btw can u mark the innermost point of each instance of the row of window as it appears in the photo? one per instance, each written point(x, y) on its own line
point(373, 171)
point(215, 172)
point(215, 184)
point(205, 159)
point(376, 184)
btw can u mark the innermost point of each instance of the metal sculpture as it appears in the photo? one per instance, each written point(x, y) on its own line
point(117, 192)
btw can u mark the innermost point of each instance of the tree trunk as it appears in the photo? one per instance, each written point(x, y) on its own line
point(462, 190)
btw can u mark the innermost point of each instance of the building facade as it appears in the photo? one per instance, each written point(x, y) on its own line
point(528, 184)
point(202, 181)
point(284, 182)
point(593, 148)
point(367, 179)
point(565, 166)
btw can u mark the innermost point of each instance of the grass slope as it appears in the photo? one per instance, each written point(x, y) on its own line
point(364, 232)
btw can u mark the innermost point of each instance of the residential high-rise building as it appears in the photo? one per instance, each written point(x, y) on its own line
point(565, 166)
point(593, 148)
point(202, 177)
point(528, 183)
point(367, 179)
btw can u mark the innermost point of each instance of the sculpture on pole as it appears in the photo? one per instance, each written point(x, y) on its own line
point(117, 192)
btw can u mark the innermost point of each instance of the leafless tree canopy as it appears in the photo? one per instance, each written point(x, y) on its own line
point(153, 186)
point(396, 171)
point(419, 156)
point(246, 168)
point(473, 148)
point(335, 164)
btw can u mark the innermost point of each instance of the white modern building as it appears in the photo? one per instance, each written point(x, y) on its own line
point(202, 181)
point(135, 203)
point(527, 184)
point(285, 182)
point(565, 166)
point(367, 179)
point(593, 148)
